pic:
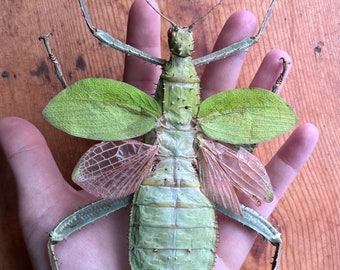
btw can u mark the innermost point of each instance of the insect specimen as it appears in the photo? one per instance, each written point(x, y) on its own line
point(180, 175)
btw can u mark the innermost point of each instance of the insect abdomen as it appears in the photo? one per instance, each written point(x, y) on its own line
point(172, 228)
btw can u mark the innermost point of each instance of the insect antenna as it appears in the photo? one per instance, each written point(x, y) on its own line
point(160, 14)
point(202, 17)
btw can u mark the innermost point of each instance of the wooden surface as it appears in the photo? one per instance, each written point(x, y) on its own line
point(308, 216)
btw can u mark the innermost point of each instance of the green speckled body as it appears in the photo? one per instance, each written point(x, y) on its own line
point(173, 225)
point(172, 228)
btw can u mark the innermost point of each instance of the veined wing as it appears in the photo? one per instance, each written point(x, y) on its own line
point(114, 169)
point(222, 170)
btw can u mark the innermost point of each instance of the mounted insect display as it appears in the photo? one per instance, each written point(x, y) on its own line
point(183, 172)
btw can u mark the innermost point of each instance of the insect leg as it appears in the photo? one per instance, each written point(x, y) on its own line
point(236, 47)
point(114, 43)
point(79, 219)
point(281, 76)
point(255, 221)
point(54, 60)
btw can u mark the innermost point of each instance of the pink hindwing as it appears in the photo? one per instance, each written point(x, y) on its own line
point(114, 169)
point(222, 170)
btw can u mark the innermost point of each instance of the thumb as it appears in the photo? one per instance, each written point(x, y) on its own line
point(40, 185)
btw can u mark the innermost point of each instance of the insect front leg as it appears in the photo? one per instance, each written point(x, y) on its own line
point(279, 79)
point(79, 219)
point(114, 43)
point(54, 60)
point(255, 221)
point(236, 47)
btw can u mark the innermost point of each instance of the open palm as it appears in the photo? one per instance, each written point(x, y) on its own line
point(45, 197)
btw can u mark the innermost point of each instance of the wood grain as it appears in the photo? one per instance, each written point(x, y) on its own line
point(308, 216)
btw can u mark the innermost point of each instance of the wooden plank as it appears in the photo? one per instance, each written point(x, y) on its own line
point(308, 216)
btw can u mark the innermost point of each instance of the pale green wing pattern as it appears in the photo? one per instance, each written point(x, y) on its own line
point(245, 116)
point(222, 170)
point(103, 109)
point(114, 169)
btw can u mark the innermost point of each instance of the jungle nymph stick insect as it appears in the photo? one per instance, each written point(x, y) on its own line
point(178, 177)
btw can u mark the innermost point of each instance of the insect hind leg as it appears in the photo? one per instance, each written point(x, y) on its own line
point(255, 221)
point(79, 219)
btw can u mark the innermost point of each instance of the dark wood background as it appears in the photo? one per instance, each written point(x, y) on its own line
point(308, 216)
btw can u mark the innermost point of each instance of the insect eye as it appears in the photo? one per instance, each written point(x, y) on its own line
point(171, 33)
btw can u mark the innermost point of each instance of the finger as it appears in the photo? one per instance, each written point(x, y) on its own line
point(270, 69)
point(39, 182)
point(40, 185)
point(223, 74)
point(282, 169)
point(45, 198)
point(31, 161)
point(285, 165)
point(143, 33)
point(287, 162)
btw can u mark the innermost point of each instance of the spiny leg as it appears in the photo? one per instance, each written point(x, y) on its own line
point(279, 80)
point(255, 221)
point(114, 43)
point(79, 219)
point(54, 60)
point(236, 47)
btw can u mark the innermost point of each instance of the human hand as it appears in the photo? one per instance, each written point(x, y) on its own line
point(45, 197)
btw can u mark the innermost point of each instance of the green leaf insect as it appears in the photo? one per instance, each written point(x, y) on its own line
point(180, 176)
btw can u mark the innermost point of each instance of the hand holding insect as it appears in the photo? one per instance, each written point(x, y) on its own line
point(102, 238)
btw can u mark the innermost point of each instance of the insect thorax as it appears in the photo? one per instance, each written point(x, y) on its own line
point(178, 93)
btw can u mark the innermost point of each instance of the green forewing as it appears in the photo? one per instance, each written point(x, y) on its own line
point(245, 116)
point(103, 109)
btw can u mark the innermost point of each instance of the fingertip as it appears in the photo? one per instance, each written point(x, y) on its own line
point(291, 157)
point(29, 157)
point(223, 74)
point(299, 146)
point(143, 33)
point(144, 26)
point(17, 135)
point(240, 24)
